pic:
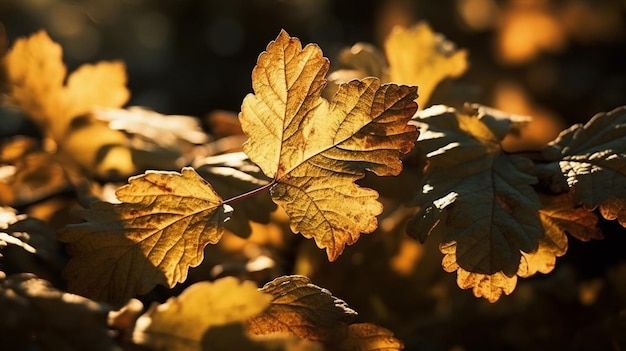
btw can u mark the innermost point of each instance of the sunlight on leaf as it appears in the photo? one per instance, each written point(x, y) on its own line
point(164, 130)
point(482, 196)
point(421, 57)
point(559, 216)
point(158, 231)
point(36, 79)
point(315, 149)
point(180, 323)
point(303, 309)
point(591, 158)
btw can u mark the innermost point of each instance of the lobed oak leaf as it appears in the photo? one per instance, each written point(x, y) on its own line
point(181, 322)
point(419, 56)
point(303, 309)
point(590, 158)
point(481, 196)
point(315, 150)
point(35, 77)
point(158, 231)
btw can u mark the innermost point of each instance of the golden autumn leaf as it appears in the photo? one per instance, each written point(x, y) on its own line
point(303, 309)
point(180, 323)
point(419, 56)
point(315, 149)
point(158, 231)
point(36, 78)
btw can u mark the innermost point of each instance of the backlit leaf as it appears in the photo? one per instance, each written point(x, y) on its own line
point(304, 309)
point(36, 80)
point(315, 150)
point(483, 196)
point(419, 56)
point(614, 208)
point(591, 158)
point(180, 323)
point(369, 337)
point(158, 231)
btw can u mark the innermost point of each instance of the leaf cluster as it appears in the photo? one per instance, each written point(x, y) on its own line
point(316, 149)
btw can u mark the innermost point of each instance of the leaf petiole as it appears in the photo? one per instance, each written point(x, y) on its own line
point(250, 193)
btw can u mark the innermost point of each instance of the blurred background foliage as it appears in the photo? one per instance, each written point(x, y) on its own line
point(549, 58)
point(559, 61)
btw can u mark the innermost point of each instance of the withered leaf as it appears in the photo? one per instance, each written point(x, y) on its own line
point(591, 158)
point(304, 309)
point(315, 150)
point(36, 80)
point(180, 323)
point(158, 231)
point(36, 314)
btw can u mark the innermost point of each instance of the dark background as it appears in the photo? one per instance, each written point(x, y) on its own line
point(560, 59)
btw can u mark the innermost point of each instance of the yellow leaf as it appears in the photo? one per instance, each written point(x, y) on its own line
point(315, 150)
point(422, 57)
point(158, 231)
point(369, 337)
point(303, 309)
point(180, 323)
point(36, 74)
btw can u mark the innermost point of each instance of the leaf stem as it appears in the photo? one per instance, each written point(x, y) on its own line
point(250, 193)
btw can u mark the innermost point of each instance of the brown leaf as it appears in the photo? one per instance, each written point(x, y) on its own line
point(316, 150)
point(233, 336)
point(614, 208)
point(158, 231)
point(369, 337)
point(303, 309)
point(35, 313)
